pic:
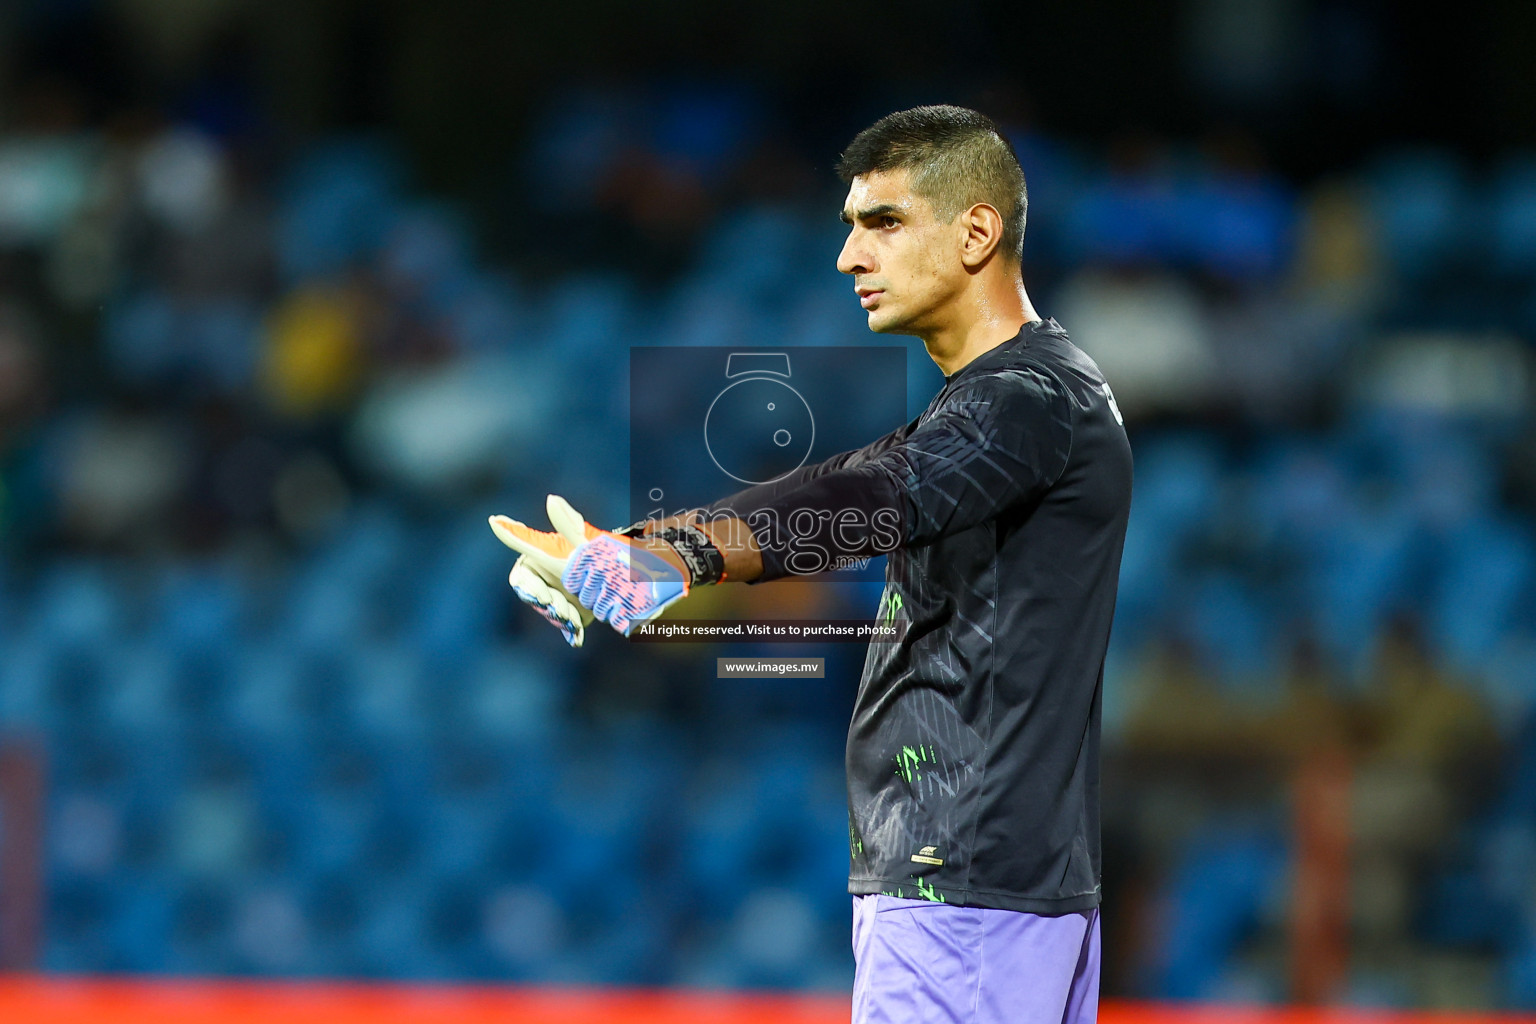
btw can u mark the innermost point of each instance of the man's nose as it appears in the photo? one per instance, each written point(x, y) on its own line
point(855, 258)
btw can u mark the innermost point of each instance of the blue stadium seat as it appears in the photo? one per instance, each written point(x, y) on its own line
point(264, 696)
point(426, 255)
point(1123, 219)
point(1236, 628)
point(77, 602)
point(221, 339)
point(1216, 897)
point(202, 918)
point(339, 201)
point(80, 914)
point(202, 607)
point(753, 252)
point(524, 930)
point(490, 314)
point(388, 940)
point(140, 338)
point(1236, 228)
point(340, 815)
point(1357, 576)
point(588, 317)
point(1424, 208)
point(1177, 486)
point(462, 597)
point(698, 314)
point(1513, 217)
point(631, 947)
point(77, 685)
point(1520, 976)
point(514, 694)
point(141, 925)
point(1486, 572)
point(385, 695)
point(28, 664)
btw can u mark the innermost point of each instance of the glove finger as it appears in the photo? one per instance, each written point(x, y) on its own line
point(551, 604)
point(546, 574)
point(574, 632)
point(527, 576)
point(547, 550)
point(590, 575)
point(593, 593)
point(568, 522)
point(610, 606)
point(579, 577)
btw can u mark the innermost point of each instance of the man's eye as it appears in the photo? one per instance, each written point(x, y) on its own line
point(888, 221)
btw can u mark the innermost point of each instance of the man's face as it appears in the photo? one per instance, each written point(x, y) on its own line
point(905, 264)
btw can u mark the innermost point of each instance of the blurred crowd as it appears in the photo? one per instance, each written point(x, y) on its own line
point(254, 410)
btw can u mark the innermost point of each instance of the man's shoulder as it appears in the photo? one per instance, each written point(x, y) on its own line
point(1041, 368)
point(1029, 367)
point(1047, 347)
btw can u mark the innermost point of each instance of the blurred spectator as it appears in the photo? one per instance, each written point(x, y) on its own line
point(120, 475)
point(1416, 715)
point(1148, 332)
point(313, 361)
point(23, 382)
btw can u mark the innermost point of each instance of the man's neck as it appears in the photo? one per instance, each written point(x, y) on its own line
point(993, 316)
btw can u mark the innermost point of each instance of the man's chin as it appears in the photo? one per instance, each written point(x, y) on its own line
point(883, 321)
point(887, 324)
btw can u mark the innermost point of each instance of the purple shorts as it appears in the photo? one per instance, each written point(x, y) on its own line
point(932, 963)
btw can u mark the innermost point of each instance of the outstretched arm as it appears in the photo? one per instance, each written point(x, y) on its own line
point(996, 442)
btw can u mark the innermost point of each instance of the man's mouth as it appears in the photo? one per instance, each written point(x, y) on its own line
point(868, 297)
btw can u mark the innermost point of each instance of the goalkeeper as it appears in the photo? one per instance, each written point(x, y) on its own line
point(973, 755)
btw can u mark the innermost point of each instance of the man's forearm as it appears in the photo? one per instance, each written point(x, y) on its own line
point(732, 536)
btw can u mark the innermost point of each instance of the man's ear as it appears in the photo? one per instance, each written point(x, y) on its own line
point(983, 233)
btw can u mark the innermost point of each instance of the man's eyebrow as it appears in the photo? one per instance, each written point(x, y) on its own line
point(874, 211)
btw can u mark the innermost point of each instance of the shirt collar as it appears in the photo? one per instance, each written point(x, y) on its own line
point(1046, 326)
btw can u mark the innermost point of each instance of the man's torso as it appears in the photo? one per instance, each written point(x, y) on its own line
point(973, 752)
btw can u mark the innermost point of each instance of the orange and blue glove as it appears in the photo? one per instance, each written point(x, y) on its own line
point(580, 572)
point(535, 577)
point(624, 584)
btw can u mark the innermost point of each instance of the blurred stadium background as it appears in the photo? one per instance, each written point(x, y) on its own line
point(293, 294)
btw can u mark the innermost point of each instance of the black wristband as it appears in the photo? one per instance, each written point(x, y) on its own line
point(704, 560)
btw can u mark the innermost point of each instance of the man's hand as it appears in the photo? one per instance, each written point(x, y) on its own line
point(535, 578)
point(580, 571)
point(624, 580)
point(624, 577)
point(545, 595)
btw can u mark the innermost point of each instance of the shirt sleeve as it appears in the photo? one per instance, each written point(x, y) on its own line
point(751, 499)
point(993, 443)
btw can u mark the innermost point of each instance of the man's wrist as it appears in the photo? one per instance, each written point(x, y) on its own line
point(729, 537)
point(696, 549)
point(736, 541)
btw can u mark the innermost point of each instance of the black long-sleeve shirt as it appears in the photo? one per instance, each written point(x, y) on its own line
point(973, 754)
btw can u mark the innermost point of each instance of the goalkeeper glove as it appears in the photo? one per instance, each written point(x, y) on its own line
point(620, 581)
point(535, 577)
point(626, 584)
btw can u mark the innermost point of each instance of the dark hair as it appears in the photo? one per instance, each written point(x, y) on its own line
point(957, 159)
